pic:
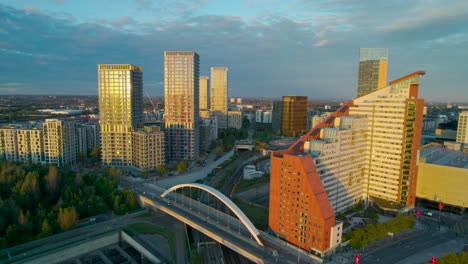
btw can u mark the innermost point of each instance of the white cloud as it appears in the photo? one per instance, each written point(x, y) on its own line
point(321, 43)
point(422, 15)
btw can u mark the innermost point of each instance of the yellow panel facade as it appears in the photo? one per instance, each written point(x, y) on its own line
point(219, 95)
point(204, 97)
point(443, 184)
point(382, 82)
point(120, 88)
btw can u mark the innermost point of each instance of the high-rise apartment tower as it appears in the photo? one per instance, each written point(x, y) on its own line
point(372, 73)
point(60, 142)
point(219, 95)
point(294, 115)
point(462, 130)
point(204, 93)
point(277, 111)
point(120, 110)
point(181, 100)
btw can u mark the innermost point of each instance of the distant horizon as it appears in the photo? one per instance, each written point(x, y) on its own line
point(266, 98)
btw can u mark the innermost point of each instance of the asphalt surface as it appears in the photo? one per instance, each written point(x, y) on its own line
point(406, 248)
point(194, 175)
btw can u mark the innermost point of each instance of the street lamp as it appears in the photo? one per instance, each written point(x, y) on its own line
point(418, 214)
point(441, 206)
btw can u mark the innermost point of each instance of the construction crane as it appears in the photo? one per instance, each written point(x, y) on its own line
point(151, 101)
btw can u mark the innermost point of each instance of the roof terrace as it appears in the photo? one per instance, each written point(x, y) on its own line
point(445, 157)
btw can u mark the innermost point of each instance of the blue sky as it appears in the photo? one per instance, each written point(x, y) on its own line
point(272, 48)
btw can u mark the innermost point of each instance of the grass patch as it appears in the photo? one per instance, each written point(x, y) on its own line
point(148, 214)
point(146, 228)
point(195, 258)
point(385, 204)
point(258, 215)
point(244, 184)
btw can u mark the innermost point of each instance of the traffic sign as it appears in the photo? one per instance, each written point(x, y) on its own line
point(441, 206)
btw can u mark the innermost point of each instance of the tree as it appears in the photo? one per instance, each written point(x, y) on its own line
point(52, 180)
point(214, 144)
point(358, 238)
point(219, 151)
point(31, 189)
point(67, 218)
point(371, 233)
point(260, 145)
point(161, 169)
point(95, 155)
point(381, 230)
point(227, 147)
point(114, 174)
point(78, 179)
point(230, 140)
point(181, 166)
point(46, 229)
point(11, 234)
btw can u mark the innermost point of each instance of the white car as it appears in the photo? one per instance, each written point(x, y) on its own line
point(427, 213)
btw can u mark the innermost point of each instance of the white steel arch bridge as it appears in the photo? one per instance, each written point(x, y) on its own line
point(226, 201)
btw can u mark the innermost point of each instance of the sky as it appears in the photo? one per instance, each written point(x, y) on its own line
point(272, 48)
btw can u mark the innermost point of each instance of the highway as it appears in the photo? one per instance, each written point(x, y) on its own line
point(223, 227)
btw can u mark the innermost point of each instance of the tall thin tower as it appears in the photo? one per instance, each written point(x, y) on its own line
point(181, 100)
point(120, 110)
point(372, 73)
point(219, 95)
point(204, 93)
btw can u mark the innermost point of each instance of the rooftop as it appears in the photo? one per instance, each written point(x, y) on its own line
point(445, 157)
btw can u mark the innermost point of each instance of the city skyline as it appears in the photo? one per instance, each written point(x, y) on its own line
point(312, 51)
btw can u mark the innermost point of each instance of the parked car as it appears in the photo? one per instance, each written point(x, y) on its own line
point(427, 213)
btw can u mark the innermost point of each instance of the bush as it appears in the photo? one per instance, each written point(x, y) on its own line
point(359, 238)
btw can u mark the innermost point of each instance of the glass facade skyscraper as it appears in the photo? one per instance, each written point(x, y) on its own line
point(294, 115)
point(120, 110)
point(219, 95)
point(204, 93)
point(181, 100)
point(276, 115)
point(372, 73)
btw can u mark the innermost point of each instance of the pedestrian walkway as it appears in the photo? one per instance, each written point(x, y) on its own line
point(194, 175)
